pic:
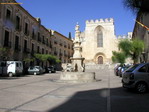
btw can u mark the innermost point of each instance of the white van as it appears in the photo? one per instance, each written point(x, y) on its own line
point(11, 68)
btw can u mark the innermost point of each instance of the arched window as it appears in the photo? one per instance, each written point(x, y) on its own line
point(99, 39)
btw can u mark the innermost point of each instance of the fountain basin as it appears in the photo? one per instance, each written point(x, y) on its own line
point(78, 77)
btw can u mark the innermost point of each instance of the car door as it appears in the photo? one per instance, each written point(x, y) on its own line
point(143, 73)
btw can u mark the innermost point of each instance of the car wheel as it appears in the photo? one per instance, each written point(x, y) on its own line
point(35, 73)
point(10, 74)
point(141, 87)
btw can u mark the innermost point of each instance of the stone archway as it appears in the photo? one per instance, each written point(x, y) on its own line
point(100, 60)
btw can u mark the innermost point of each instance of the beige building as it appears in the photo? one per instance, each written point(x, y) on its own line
point(99, 40)
point(23, 36)
point(143, 34)
point(62, 47)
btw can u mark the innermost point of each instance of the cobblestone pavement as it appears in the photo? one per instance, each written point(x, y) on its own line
point(44, 93)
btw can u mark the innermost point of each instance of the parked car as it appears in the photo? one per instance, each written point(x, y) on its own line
point(116, 69)
point(51, 69)
point(137, 77)
point(11, 68)
point(35, 70)
point(124, 68)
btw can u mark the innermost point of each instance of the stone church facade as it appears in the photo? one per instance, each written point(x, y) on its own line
point(98, 41)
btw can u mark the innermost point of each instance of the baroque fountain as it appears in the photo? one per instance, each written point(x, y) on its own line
point(78, 73)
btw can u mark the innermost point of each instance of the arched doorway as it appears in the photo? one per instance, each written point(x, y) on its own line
point(100, 60)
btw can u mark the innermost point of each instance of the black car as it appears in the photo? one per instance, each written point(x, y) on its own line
point(51, 69)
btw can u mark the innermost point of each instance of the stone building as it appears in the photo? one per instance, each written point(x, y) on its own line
point(62, 47)
point(99, 40)
point(23, 35)
point(143, 34)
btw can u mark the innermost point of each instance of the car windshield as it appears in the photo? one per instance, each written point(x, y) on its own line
point(31, 68)
point(37, 67)
point(132, 68)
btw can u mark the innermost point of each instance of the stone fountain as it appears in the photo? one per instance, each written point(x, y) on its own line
point(78, 73)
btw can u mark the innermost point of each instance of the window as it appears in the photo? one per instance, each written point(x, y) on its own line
point(17, 22)
point(43, 40)
point(25, 45)
point(39, 36)
point(99, 39)
point(32, 47)
point(6, 39)
point(47, 41)
point(144, 69)
point(16, 43)
point(8, 14)
point(33, 33)
point(17, 64)
point(38, 49)
point(131, 69)
point(26, 28)
point(42, 51)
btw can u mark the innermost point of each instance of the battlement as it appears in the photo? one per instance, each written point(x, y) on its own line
point(107, 20)
point(128, 36)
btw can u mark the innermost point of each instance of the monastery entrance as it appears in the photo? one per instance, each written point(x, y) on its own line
point(100, 60)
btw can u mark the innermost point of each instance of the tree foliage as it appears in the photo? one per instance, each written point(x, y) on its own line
point(128, 48)
point(118, 57)
point(125, 46)
point(47, 57)
point(137, 5)
point(137, 49)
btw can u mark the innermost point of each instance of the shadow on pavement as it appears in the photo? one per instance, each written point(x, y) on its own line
point(85, 101)
point(121, 100)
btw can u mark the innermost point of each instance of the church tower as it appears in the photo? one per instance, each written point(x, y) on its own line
point(98, 41)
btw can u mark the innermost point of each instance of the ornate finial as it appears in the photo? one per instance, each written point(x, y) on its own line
point(77, 27)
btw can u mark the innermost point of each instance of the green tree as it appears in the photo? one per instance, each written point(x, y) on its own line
point(118, 57)
point(47, 57)
point(125, 45)
point(137, 5)
point(137, 48)
point(129, 48)
point(4, 51)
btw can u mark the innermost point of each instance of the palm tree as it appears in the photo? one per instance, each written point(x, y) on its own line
point(137, 5)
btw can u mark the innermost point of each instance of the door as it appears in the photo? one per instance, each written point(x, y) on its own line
point(100, 60)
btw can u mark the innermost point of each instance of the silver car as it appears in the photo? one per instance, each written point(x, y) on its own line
point(35, 70)
point(137, 77)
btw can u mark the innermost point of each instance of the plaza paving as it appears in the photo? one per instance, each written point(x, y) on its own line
point(44, 93)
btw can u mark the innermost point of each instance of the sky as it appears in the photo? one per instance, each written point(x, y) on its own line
point(63, 15)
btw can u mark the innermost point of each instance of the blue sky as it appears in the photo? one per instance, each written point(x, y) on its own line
point(62, 15)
